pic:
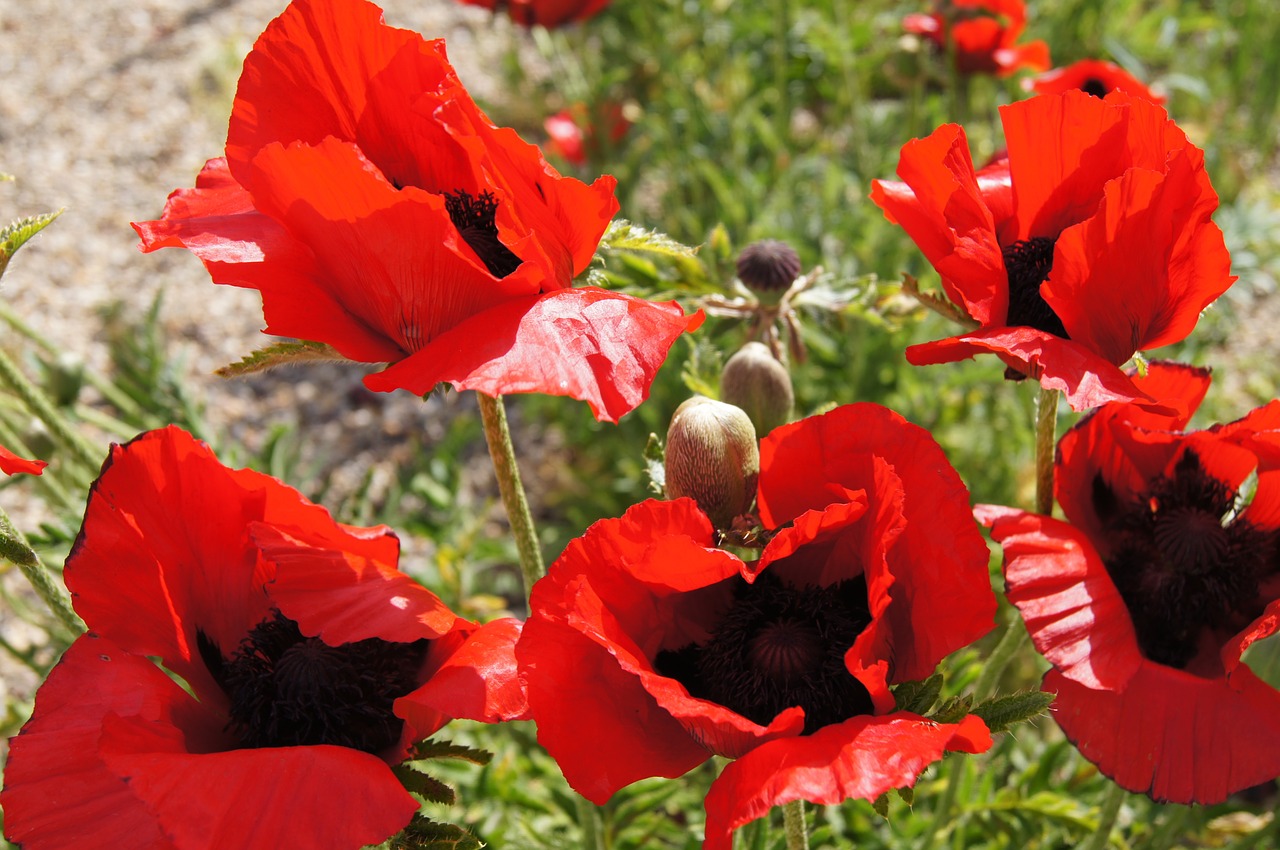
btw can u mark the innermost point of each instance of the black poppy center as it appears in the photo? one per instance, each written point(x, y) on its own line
point(474, 216)
point(778, 647)
point(1095, 87)
point(288, 690)
point(1184, 560)
point(1027, 263)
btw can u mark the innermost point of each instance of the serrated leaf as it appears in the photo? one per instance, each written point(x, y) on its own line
point(422, 833)
point(431, 749)
point(16, 234)
point(999, 713)
point(656, 466)
point(953, 710)
point(622, 235)
point(427, 787)
point(918, 697)
point(280, 354)
point(881, 805)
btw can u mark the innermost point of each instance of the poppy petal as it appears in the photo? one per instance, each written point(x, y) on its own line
point(861, 758)
point(1072, 609)
point(11, 464)
point(58, 792)
point(600, 347)
point(1174, 736)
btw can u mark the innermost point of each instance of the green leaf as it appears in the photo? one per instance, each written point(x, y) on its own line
point(918, 697)
point(430, 749)
point(622, 235)
point(1000, 713)
point(656, 466)
point(17, 233)
point(953, 710)
point(427, 787)
point(422, 833)
point(280, 354)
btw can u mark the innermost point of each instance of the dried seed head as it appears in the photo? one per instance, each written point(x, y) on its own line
point(712, 457)
point(755, 381)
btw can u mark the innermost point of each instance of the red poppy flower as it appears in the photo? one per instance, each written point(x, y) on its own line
point(11, 464)
point(545, 13)
point(648, 649)
point(984, 34)
point(1091, 76)
point(376, 209)
point(1091, 242)
point(312, 664)
point(1145, 602)
point(574, 134)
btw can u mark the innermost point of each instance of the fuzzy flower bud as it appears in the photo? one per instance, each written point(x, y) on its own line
point(755, 381)
point(712, 457)
point(768, 267)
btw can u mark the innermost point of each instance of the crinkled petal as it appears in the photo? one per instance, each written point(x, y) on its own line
point(861, 758)
point(1174, 736)
point(600, 347)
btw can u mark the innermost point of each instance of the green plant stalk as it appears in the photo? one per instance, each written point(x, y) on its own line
point(942, 814)
point(793, 823)
point(39, 404)
point(1107, 815)
point(589, 821)
point(1046, 433)
point(15, 548)
point(781, 60)
point(498, 435)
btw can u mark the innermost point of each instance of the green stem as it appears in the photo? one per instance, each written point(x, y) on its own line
point(1046, 428)
point(1010, 642)
point(1107, 815)
point(42, 407)
point(942, 814)
point(589, 821)
point(498, 435)
point(781, 71)
point(15, 548)
point(793, 822)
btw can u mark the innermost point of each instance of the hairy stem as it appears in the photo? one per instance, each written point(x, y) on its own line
point(793, 822)
point(15, 548)
point(498, 435)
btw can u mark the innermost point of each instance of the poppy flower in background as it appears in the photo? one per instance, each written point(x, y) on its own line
point(544, 13)
point(648, 650)
point(1091, 76)
point(1093, 241)
point(312, 665)
point(1145, 602)
point(11, 464)
point(984, 34)
point(377, 210)
point(575, 134)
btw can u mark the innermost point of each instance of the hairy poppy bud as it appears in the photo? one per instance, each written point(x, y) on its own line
point(713, 458)
point(755, 381)
point(768, 267)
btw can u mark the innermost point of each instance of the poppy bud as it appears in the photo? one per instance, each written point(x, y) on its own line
point(713, 458)
point(768, 267)
point(755, 381)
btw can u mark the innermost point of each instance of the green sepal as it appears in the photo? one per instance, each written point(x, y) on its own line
point(881, 805)
point(423, 833)
point(280, 354)
point(918, 697)
point(1000, 713)
point(907, 795)
point(431, 749)
point(427, 787)
point(953, 710)
point(655, 466)
point(17, 233)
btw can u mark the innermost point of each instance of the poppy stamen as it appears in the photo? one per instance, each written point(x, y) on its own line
point(1095, 87)
point(475, 218)
point(289, 690)
point(1028, 263)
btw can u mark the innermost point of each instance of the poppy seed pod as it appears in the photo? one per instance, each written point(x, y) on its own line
point(755, 381)
point(768, 267)
point(712, 457)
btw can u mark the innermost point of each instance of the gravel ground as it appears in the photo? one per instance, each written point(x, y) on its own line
point(107, 107)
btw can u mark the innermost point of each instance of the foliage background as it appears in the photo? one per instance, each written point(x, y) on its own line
point(750, 120)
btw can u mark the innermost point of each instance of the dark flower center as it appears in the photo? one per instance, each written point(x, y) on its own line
point(1095, 87)
point(287, 690)
point(1184, 560)
point(778, 647)
point(1028, 263)
point(474, 218)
